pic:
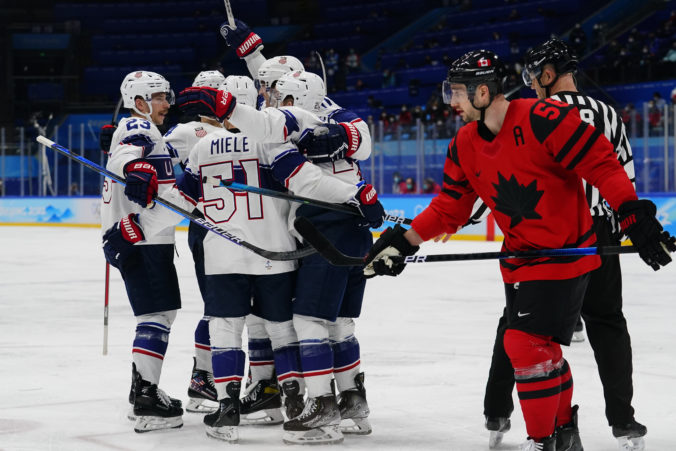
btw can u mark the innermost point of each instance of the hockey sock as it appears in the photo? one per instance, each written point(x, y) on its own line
point(261, 359)
point(286, 351)
point(345, 353)
point(150, 344)
point(565, 411)
point(227, 357)
point(203, 346)
point(316, 355)
point(538, 380)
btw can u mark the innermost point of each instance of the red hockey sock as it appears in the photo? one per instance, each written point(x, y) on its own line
point(536, 361)
point(565, 413)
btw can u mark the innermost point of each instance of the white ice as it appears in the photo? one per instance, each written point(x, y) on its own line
point(426, 339)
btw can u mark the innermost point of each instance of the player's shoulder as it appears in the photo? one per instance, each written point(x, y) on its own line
point(545, 115)
point(138, 126)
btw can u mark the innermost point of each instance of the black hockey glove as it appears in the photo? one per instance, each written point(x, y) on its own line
point(241, 37)
point(141, 182)
point(118, 241)
point(638, 221)
point(391, 243)
point(106, 137)
point(331, 142)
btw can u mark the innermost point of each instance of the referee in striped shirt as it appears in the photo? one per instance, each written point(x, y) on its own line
point(550, 69)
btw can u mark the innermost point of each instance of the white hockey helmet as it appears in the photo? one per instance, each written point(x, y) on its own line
point(306, 88)
point(272, 69)
point(209, 78)
point(242, 88)
point(144, 84)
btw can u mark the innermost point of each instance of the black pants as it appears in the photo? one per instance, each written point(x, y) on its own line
point(608, 337)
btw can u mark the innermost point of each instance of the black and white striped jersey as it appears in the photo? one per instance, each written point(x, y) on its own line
point(605, 119)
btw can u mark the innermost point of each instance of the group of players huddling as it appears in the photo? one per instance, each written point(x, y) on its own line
point(281, 132)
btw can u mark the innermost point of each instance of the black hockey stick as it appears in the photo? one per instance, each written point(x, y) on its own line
point(300, 199)
point(327, 250)
point(271, 255)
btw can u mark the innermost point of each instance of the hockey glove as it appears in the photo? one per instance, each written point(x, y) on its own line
point(638, 222)
point(206, 101)
point(366, 200)
point(141, 183)
point(106, 137)
point(241, 38)
point(391, 243)
point(118, 240)
point(331, 142)
point(143, 141)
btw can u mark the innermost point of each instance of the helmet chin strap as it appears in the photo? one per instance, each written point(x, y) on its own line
point(548, 87)
point(145, 115)
point(482, 110)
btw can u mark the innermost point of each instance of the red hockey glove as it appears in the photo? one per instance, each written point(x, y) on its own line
point(141, 183)
point(106, 137)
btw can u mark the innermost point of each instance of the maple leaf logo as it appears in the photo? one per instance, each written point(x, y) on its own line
point(515, 200)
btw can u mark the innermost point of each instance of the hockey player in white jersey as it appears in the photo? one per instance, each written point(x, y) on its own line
point(179, 141)
point(147, 268)
point(234, 274)
point(323, 315)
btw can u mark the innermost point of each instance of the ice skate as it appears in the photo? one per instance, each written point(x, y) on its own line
point(546, 444)
point(497, 426)
point(568, 435)
point(261, 404)
point(354, 410)
point(293, 399)
point(132, 395)
point(154, 410)
point(224, 423)
point(201, 392)
point(319, 423)
point(578, 333)
point(630, 436)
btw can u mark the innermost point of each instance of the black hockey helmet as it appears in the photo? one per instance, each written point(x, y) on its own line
point(554, 52)
point(476, 68)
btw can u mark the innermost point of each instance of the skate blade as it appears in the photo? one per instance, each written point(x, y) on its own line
point(268, 417)
point(631, 443)
point(356, 426)
point(199, 405)
point(494, 439)
point(148, 423)
point(225, 433)
point(325, 435)
point(131, 416)
point(578, 337)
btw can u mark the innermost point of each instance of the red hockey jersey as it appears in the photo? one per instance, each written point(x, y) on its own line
point(529, 174)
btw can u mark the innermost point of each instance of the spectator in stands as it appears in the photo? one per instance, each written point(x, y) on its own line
point(578, 40)
point(670, 57)
point(311, 63)
point(514, 15)
point(396, 182)
point(673, 96)
point(632, 120)
point(417, 113)
point(655, 119)
point(496, 36)
point(74, 189)
point(405, 119)
point(408, 186)
point(430, 186)
point(659, 101)
point(331, 61)
point(359, 85)
point(598, 34)
point(352, 61)
point(389, 79)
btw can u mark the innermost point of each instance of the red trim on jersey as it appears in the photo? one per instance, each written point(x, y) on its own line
point(347, 367)
point(203, 347)
point(295, 171)
point(281, 377)
point(261, 363)
point(220, 380)
point(149, 353)
point(317, 373)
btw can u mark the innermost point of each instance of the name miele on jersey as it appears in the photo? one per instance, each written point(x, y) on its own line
point(114, 203)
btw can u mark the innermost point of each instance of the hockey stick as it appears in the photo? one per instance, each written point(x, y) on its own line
point(105, 311)
point(300, 199)
point(270, 255)
point(228, 12)
point(327, 250)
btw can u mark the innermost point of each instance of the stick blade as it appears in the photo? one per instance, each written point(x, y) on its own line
point(325, 248)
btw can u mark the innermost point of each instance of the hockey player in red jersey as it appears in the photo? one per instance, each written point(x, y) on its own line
point(525, 159)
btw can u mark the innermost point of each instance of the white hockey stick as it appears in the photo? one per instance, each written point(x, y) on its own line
point(228, 11)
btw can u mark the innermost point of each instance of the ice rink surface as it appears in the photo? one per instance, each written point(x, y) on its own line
point(426, 339)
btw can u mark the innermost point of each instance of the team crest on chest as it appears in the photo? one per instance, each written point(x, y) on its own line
point(200, 132)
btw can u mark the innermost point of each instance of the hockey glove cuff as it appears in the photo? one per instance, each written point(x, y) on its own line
point(331, 142)
point(205, 101)
point(106, 137)
point(141, 182)
point(638, 222)
point(118, 241)
point(391, 243)
point(366, 200)
point(242, 38)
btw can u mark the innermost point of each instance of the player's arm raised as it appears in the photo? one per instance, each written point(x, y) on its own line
point(246, 43)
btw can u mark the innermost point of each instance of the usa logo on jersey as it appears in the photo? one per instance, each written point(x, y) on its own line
point(200, 132)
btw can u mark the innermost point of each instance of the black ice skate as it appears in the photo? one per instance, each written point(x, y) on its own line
point(497, 426)
point(132, 395)
point(202, 391)
point(293, 399)
point(568, 435)
point(261, 404)
point(319, 423)
point(354, 410)
point(546, 444)
point(630, 436)
point(153, 409)
point(223, 424)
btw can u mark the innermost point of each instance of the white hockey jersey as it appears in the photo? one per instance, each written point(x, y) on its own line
point(114, 203)
point(279, 125)
point(259, 220)
point(181, 138)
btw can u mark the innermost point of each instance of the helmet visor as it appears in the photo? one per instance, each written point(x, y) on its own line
point(453, 93)
point(529, 74)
